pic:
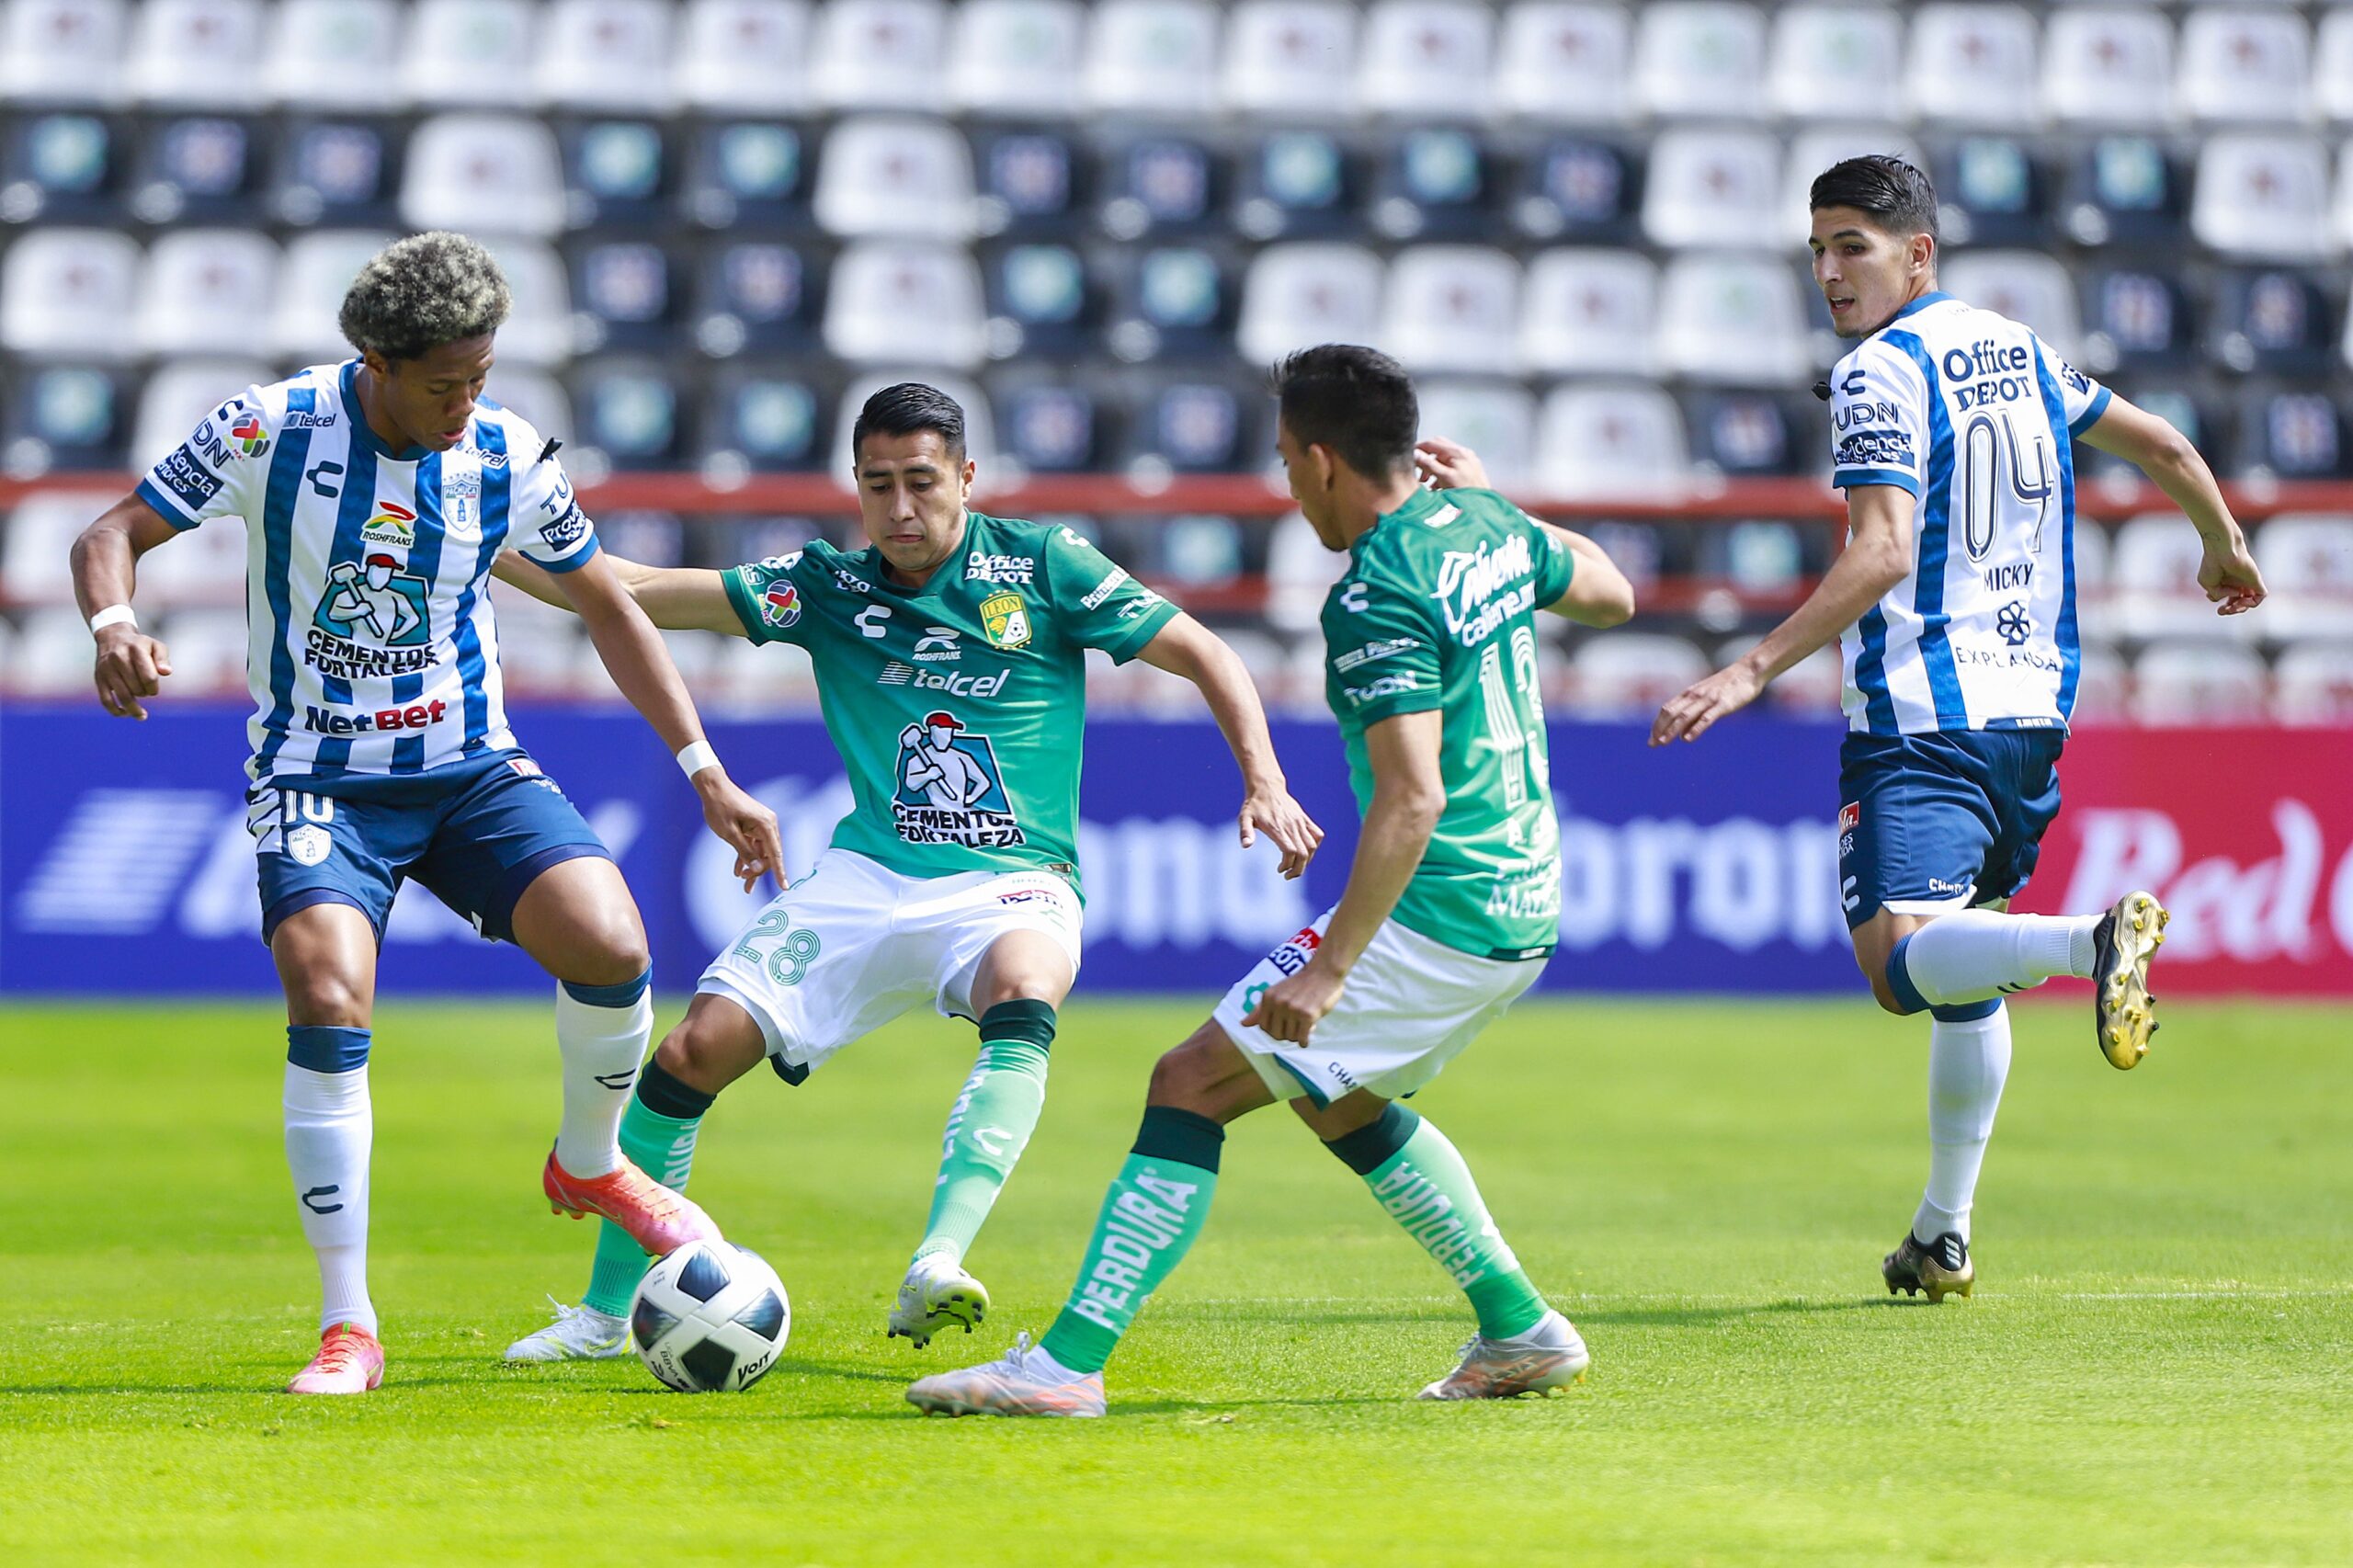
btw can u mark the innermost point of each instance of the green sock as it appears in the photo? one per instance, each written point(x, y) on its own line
point(663, 1146)
point(1150, 1218)
point(990, 1123)
point(1421, 1180)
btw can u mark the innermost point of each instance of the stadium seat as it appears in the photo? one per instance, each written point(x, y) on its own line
point(1759, 558)
point(1991, 191)
point(66, 51)
point(2264, 195)
point(540, 648)
point(196, 53)
point(203, 169)
point(312, 278)
point(460, 53)
point(2025, 286)
point(1435, 183)
point(1172, 301)
point(1746, 435)
point(35, 545)
point(630, 413)
point(1017, 57)
point(483, 175)
point(2140, 320)
point(2273, 321)
point(204, 567)
point(1156, 57)
point(182, 395)
point(334, 55)
point(1588, 311)
point(765, 423)
point(1699, 59)
point(2243, 65)
point(2108, 66)
point(2212, 683)
point(1194, 425)
point(1495, 419)
point(68, 291)
point(1049, 426)
point(1426, 59)
point(1031, 182)
point(538, 327)
point(2103, 686)
point(2154, 593)
point(909, 301)
point(1451, 308)
point(615, 175)
point(2341, 217)
point(2312, 686)
point(1610, 440)
point(1040, 302)
point(203, 290)
point(1717, 189)
point(743, 56)
point(980, 422)
point(1290, 59)
point(1816, 148)
point(2307, 562)
point(64, 416)
point(60, 168)
point(51, 656)
point(2124, 190)
point(608, 55)
point(1816, 685)
point(880, 55)
point(1299, 295)
point(1161, 184)
point(1732, 320)
point(626, 297)
point(1566, 59)
point(1842, 61)
point(1973, 65)
point(2290, 435)
point(756, 296)
point(1299, 574)
point(896, 175)
point(748, 177)
point(340, 173)
point(1627, 674)
point(536, 395)
point(1299, 183)
point(2333, 66)
point(2093, 586)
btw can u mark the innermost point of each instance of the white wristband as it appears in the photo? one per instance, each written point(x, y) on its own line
point(694, 759)
point(114, 614)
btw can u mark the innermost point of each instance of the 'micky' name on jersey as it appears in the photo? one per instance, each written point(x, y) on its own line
point(956, 708)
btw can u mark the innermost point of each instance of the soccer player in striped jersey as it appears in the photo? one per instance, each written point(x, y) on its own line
point(375, 493)
point(1954, 606)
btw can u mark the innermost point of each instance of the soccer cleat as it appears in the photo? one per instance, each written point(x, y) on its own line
point(1936, 1268)
point(1024, 1382)
point(349, 1361)
point(936, 1294)
point(656, 1218)
point(2124, 1016)
point(1547, 1356)
point(578, 1334)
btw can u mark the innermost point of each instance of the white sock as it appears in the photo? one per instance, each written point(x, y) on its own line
point(1967, 1063)
point(329, 1128)
point(602, 1048)
point(1980, 953)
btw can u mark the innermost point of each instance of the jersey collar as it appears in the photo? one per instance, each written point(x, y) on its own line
point(1422, 504)
point(365, 433)
point(1933, 297)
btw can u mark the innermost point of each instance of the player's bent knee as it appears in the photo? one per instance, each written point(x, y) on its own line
point(706, 1052)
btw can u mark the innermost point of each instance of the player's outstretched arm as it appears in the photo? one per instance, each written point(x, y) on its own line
point(2151, 445)
point(1185, 647)
point(633, 655)
point(130, 665)
point(1408, 798)
point(675, 599)
point(1877, 556)
point(1599, 593)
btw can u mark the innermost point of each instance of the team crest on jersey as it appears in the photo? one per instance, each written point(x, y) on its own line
point(1005, 620)
point(390, 524)
point(309, 845)
point(948, 790)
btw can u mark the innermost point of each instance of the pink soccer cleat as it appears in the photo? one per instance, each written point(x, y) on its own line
point(656, 1218)
point(350, 1360)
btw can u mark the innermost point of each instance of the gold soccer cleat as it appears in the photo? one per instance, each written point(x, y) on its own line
point(1936, 1268)
point(2124, 1014)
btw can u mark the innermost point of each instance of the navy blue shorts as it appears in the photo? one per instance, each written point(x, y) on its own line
point(1931, 823)
point(474, 832)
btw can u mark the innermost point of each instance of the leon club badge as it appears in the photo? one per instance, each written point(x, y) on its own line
point(1005, 619)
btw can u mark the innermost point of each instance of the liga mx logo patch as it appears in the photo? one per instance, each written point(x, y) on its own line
point(781, 603)
point(250, 436)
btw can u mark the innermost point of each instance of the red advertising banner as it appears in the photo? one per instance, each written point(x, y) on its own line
point(2246, 834)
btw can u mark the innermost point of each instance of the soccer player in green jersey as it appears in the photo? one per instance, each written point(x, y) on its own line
point(950, 664)
point(1450, 909)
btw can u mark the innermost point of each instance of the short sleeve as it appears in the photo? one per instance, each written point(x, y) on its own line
point(1096, 603)
point(2083, 399)
point(1556, 565)
point(213, 472)
point(1879, 419)
point(1381, 648)
point(768, 598)
point(550, 529)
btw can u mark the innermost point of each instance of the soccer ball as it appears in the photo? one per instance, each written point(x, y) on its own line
point(709, 1318)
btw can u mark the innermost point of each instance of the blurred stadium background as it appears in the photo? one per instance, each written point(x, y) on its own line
point(1581, 224)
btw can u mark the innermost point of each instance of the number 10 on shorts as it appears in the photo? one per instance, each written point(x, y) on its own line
point(794, 950)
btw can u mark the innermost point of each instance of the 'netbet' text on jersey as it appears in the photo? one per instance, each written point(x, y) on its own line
point(1975, 416)
point(371, 647)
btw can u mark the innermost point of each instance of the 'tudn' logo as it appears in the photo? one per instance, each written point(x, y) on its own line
point(250, 435)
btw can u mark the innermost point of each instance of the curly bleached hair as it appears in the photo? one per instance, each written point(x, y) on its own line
point(423, 292)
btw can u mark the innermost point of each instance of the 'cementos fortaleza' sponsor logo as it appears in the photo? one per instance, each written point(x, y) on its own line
point(1479, 590)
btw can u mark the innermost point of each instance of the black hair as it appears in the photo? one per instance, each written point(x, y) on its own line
point(1896, 195)
point(906, 408)
point(1357, 402)
point(421, 292)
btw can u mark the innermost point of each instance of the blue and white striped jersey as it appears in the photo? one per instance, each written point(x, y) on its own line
point(1976, 417)
point(371, 646)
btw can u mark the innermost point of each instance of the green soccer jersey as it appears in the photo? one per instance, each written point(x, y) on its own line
point(957, 707)
point(1438, 610)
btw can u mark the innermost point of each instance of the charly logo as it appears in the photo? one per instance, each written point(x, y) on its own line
point(949, 790)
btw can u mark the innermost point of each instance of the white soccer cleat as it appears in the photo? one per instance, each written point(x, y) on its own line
point(1547, 1356)
point(936, 1295)
point(578, 1334)
point(1024, 1382)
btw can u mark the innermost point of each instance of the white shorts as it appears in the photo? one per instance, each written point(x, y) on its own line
point(1411, 1005)
point(853, 944)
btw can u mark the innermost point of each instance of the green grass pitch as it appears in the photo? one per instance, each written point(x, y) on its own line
point(2157, 1367)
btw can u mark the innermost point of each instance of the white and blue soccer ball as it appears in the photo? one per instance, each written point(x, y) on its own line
point(709, 1318)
